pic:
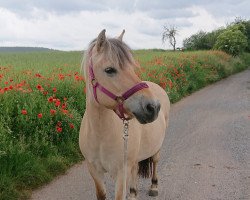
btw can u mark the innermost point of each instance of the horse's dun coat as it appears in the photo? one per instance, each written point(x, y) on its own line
point(101, 131)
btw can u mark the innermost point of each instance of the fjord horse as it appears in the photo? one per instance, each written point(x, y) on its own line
point(115, 92)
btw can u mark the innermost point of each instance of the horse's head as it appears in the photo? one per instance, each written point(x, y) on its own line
point(110, 65)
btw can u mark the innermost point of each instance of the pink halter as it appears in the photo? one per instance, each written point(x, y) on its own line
point(119, 110)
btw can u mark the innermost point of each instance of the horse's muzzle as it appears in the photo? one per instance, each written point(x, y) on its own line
point(147, 111)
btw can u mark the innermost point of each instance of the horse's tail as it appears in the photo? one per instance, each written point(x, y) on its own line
point(146, 168)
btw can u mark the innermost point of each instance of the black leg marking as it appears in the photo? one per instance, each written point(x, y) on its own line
point(133, 191)
point(154, 181)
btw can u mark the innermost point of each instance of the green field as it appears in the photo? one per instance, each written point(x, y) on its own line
point(42, 100)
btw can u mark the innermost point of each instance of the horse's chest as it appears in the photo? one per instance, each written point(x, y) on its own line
point(104, 153)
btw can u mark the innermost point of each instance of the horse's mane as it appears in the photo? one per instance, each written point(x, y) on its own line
point(115, 51)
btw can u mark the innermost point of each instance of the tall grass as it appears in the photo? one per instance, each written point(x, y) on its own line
point(42, 101)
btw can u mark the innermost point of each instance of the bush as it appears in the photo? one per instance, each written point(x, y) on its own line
point(232, 42)
point(202, 40)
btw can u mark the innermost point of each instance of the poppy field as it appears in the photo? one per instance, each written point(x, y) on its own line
point(42, 101)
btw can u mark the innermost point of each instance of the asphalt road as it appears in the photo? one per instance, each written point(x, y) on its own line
point(205, 156)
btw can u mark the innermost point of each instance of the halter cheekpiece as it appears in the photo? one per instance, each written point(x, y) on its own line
point(119, 110)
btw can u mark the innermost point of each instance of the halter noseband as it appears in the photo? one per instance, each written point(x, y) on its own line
point(119, 110)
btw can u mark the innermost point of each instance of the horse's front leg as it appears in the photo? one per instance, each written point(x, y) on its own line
point(99, 183)
point(133, 183)
point(132, 172)
point(119, 183)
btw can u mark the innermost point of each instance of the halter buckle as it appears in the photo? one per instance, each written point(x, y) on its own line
point(94, 82)
point(120, 99)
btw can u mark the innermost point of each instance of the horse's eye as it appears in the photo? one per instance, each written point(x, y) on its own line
point(110, 71)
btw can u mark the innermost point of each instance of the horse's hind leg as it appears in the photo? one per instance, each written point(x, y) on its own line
point(99, 183)
point(154, 187)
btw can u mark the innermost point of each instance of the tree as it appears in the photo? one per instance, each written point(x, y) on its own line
point(169, 33)
point(202, 40)
point(244, 26)
point(196, 41)
point(231, 41)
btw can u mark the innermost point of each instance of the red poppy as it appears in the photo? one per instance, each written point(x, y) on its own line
point(50, 99)
point(65, 111)
point(40, 115)
point(39, 87)
point(71, 125)
point(38, 75)
point(54, 89)
point(52, 112)
point(61, 76)
point(57, 103)
point(24, 112)
point(63, 105)
point(59, 129)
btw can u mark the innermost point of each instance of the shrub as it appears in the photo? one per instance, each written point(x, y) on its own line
point(232, 42)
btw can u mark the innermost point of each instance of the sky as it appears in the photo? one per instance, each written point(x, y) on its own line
point(72, 24)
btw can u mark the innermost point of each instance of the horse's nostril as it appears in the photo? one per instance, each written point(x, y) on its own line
point(158, 107)
point(151, 109)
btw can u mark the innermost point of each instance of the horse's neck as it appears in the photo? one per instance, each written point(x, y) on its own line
point(97, 115)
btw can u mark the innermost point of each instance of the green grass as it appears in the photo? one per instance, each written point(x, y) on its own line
point(33, 150)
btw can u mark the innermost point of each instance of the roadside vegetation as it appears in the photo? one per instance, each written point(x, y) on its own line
point(233, 39)
point(42, 101)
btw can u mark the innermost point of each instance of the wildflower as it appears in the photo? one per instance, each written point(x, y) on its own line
point(50, 99)
point(59, 129)
point(40, 115)
point(24, 112)
point(52, 112)
point(54, 89)
point(45, 93)
point(10, 87)
point(59, 123)
point(63, 105)
point(65, 111)
point(6, 82)
point(38, 75)
point(39, 87)
point(57, 103)
point(61, 76)
point(71, 125)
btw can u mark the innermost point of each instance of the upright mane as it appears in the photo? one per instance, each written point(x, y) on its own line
point(116, 51)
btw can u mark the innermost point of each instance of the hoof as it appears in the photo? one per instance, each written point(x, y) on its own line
point(153, 192)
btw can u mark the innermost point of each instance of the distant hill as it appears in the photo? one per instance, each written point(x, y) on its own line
point(24, 49)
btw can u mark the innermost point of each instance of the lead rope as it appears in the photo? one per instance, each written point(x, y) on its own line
point(125, 158)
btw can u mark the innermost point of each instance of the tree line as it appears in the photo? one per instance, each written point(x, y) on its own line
point(233, 39)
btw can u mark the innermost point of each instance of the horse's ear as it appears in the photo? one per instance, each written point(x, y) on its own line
point(121, 36)
point(101, 40)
